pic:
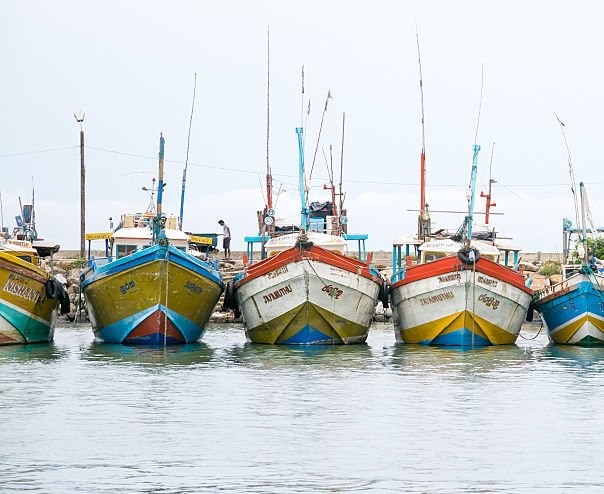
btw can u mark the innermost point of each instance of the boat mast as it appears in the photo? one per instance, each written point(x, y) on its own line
point(423, 223)
point(583, 223)
point(301, 175)
point(269, 176)
point(472, 189)
point(342, 166)
point(157, 223)
point(489, 196)
point(184, 172)
point(304, 209)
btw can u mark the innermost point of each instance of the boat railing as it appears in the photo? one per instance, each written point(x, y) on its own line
point(97, 262)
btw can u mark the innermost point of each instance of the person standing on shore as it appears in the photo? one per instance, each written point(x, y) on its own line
point(226, 241)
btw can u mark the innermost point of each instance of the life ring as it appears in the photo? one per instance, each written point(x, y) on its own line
point(230, 300)
point(464, 256)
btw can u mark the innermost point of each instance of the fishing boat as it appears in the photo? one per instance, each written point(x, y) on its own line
point(458, 293)
point(30, 295)
point(150, 288)
point(308, 289)
point(573, 309)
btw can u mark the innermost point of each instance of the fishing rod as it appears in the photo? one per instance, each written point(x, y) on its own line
point(184, 172)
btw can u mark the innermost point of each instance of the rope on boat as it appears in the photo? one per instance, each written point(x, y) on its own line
point(333, 312)
point(167, 262)
point(534, 337)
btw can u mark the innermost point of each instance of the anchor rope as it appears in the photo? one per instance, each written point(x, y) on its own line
point(538, 333)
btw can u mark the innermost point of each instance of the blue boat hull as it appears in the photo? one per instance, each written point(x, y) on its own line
point(575, 315)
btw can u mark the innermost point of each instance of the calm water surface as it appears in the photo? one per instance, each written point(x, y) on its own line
point(223, 415)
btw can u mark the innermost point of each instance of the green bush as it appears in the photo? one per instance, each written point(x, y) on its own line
point(549, 268)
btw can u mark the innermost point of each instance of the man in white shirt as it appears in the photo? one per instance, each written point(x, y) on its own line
point(226, 242)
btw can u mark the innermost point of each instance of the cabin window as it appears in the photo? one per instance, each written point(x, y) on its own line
point(25, 258)
point(184, 249)
point(432, 256)
point(125, 250)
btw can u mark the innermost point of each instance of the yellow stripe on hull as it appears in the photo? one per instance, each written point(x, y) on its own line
point(565, 335)
point(28, 315)
point(427, 332)
point(307, 324)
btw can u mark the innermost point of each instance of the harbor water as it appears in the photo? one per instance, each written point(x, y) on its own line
point(225, 415)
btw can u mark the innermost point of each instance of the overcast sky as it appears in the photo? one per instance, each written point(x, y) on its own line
point(130, 65)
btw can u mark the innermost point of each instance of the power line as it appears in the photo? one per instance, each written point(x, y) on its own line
point(11, 155)
point(252, 172)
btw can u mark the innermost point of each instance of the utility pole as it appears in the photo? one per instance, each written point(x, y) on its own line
point(79, 116)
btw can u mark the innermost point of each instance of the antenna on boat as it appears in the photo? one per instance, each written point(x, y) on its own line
point(571, 172)
point(184, 172)
point(151, 206)
point(424, 224)
point(471, 193)
point(488, 196)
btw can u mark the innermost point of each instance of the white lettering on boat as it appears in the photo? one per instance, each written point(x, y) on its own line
point(284, 290)
point(491, 302)
point(332, 291)
point(434, 299)
point(22, 291)
point(449, 277)
point(487, 281)
point(277, 272)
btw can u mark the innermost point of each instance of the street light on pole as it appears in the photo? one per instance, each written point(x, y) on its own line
point(79, 116)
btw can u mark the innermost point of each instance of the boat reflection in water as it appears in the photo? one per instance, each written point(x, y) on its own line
point(30, 352)
point(316, 357)
point(111, 353)
point(457, 361)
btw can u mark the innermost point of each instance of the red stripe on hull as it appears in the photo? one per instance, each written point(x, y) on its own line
point(315, 253)
point(156, 323)
point(453, 263)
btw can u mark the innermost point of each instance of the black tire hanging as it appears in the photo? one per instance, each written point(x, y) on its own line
point(230, 300)
point(464, 256)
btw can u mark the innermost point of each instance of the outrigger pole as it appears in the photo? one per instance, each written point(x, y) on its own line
point(184, 172)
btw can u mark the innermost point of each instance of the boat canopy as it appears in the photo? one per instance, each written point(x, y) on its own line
point(333, 243)
point(435, 249)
